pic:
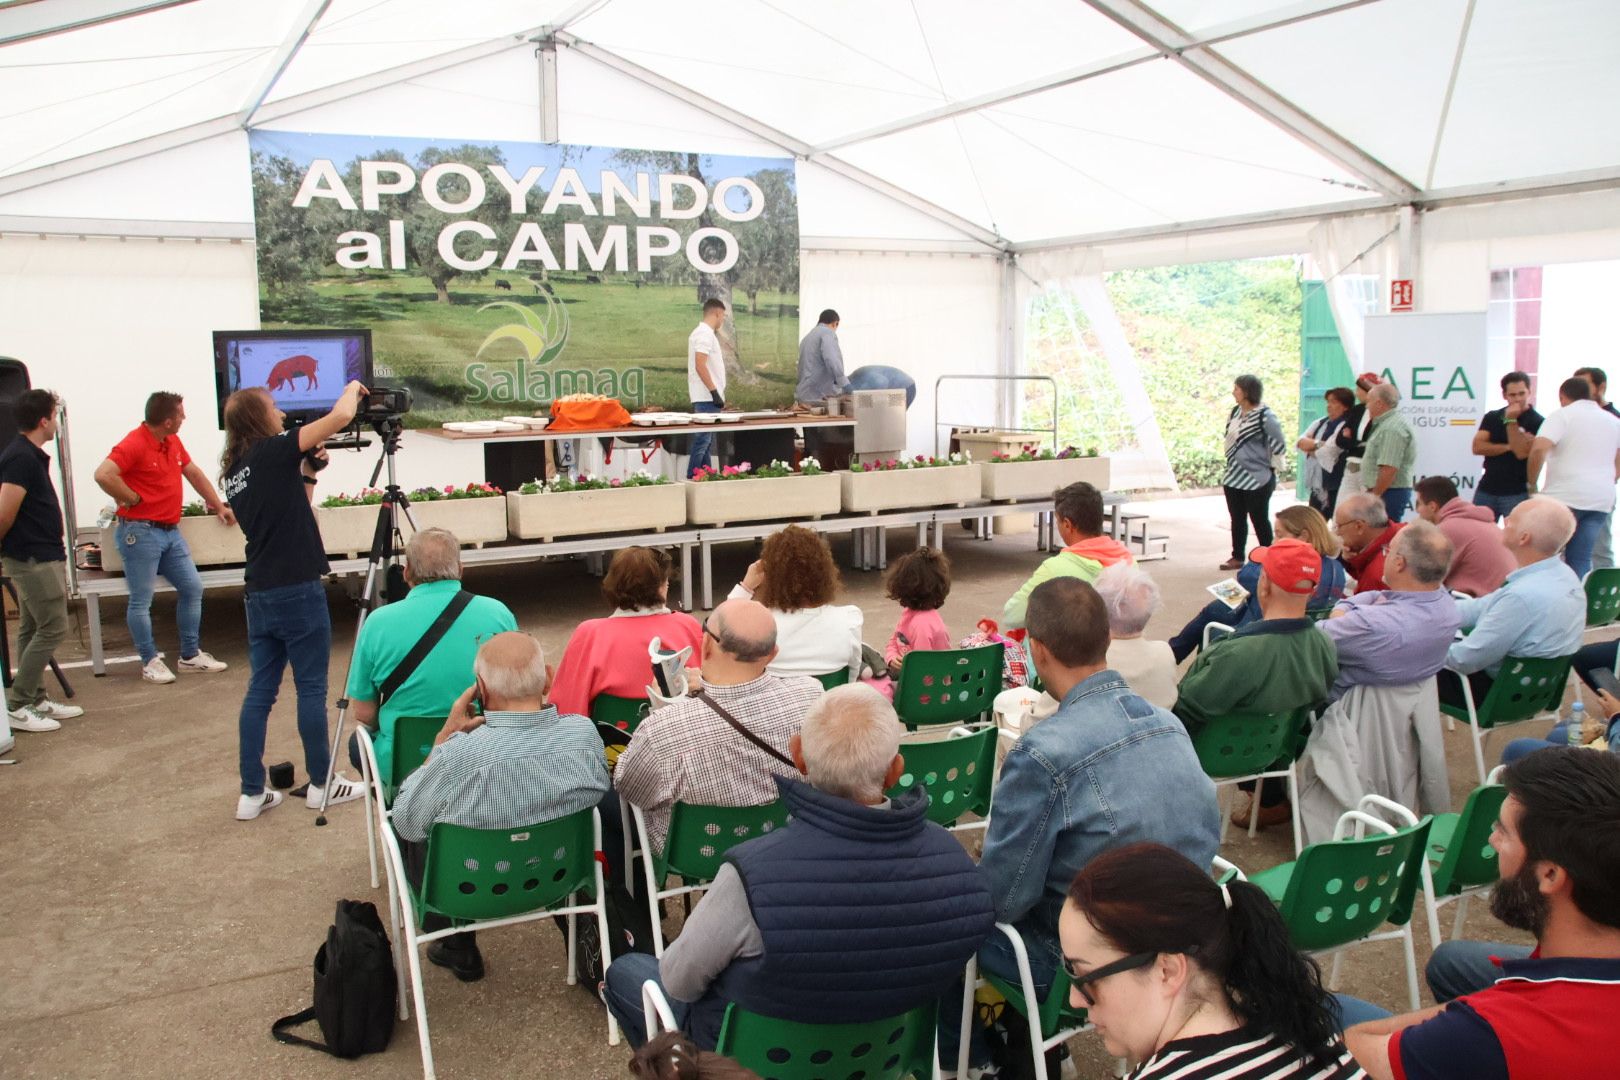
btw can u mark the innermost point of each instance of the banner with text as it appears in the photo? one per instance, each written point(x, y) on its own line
point(496, 277)
point(1438, 363)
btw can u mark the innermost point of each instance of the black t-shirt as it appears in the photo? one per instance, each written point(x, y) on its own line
point(267, 492)
point(1505, 474)
point(37, 532)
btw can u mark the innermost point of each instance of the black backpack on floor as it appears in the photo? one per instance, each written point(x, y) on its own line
point(355, 984)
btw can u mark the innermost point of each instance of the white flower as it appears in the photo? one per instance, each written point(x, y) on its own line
point(812, 462)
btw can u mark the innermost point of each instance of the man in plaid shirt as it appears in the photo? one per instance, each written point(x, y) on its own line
point(514, 762)
point(686, 753)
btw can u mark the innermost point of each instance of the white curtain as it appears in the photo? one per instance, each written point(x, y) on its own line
point(1348, 251)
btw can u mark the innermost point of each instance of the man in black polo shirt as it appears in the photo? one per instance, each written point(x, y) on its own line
point(1503, 440)
point(34, 558)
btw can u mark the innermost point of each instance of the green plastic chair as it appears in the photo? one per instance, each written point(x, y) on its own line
point(481, 879)
point(695, 847)
point(1339, 893)
point(412, 741)
point(948, 686)
point(833, 678)
point(958, 774)
point(1052, 1022)
point(1250, 746)
point(1462, 862)
point(623, 713)
point(1602, 597)
point(1524, 687)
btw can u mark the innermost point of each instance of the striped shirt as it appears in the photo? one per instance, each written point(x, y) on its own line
point(517, 768)
point(1252, 439)
point(1243, 1055)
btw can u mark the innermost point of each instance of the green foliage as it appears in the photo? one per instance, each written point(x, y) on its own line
point(194, 509)
point(586, 482)
point(373, 496)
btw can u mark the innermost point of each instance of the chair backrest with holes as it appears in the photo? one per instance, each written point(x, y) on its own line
point(948, 686)
point(1603, 596)
point(1343, 890)
point(1523, 687)
point(1468, 859)
point(886, 1049)
point(957, 773)
point(834, 678)
point(1243, 743)
point(699, 837)
point(495, 873)
point(412, 742)
point(623, 713)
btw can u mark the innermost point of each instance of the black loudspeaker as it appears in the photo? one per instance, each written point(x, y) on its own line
point(13, 382)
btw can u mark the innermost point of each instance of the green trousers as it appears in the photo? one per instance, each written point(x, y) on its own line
point(41, 626)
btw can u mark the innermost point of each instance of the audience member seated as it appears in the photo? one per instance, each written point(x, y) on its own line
point(1364, 526)
point(515, 762)
point(1078, 513)
point(1399, 634)
point(1278, 664)
point(1602, 726)
point(1292, 522)
point(1148, 667)
point(919, 581)
point(687, 752)
point(1550, 1013)
point(1186, 978)
point(860, 908)
point(1107, 769)
point(1538, 612)
point(433, 570)
point(609, 655)
point(1481, 562)
point(796, 578)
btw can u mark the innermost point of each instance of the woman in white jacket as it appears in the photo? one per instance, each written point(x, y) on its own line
point(796, 578)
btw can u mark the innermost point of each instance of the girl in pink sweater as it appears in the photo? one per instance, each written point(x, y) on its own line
point(919, 581)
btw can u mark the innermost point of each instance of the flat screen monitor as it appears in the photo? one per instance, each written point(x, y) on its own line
point(304, 370)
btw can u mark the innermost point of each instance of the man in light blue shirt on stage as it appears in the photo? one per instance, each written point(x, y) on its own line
point(1538, 612)
point(821, 362)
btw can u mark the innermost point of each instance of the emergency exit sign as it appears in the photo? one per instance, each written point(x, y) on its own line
point(1400, 294)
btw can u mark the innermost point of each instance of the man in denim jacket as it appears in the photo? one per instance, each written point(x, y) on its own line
point(1106, 769)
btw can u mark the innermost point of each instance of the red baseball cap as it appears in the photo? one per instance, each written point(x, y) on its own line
point(1292, 565)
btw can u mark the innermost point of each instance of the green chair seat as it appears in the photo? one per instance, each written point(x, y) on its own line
point(1274, 881)
point(412, 742)
point(1053, 1011)
point(1523, 688)
point(834, 678)
point(957, 773)
point(1602, 597)
point(948, 686)
point(472, 875)
point(621, 712)
point(887, 1049)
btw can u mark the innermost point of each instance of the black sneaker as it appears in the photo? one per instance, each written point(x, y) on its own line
point(465, 964)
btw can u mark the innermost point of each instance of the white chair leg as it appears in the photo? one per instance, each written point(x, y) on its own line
point(371, 828)
point(1457, 920)
point(966, 1031)
point(1479, 749)
point(573, 943)
point(1254, 808)
point(1411, 965)
point(1222, 799)
point(1293, 802)
point(422, 1036)
point(607, 958)
point(1333, 977)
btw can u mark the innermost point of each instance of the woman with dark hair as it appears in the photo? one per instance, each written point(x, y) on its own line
point(1352, 437)
point(1186, 977)
point(609, 655)
point(269, 481)
point(796, 578)
point(1324, 460)
point(1253, 437)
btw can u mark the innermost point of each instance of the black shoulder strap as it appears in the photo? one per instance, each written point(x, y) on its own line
point(294, 1020)
point(703, 696)
point(441, 626)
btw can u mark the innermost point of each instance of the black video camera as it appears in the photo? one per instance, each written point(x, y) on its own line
point(383, 403)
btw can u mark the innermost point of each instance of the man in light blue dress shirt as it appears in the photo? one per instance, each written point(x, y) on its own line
point(821, 362)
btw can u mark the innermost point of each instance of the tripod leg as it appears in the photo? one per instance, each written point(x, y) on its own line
point(67, 687)
point(5, 638)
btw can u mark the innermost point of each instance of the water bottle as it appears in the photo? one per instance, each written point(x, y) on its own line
point(1577, 724)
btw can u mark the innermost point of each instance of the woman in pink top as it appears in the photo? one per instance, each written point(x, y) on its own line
point(919, 582)
point(609, 656)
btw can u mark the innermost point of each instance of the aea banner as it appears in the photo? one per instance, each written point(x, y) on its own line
point(1438, 364)
point(496, 277)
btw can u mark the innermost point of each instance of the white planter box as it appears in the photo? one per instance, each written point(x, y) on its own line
point(547, 516)
point(1008, 480)
point(721, 502)
point(948, 485)
point(348, 530)
point(212, 543)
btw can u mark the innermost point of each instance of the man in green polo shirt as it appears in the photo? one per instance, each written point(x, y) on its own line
point(1391, 451)
point(433, 570)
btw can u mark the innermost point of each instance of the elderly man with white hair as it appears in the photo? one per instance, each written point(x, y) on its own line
point(860, 908)
point(1538, 612)
point(1391, 451)
point(504, 759)
point(1365, 532)
point(1148, 667)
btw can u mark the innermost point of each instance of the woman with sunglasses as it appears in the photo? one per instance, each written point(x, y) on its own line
point(1186, 977)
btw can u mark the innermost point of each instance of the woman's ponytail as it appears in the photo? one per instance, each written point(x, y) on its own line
point(1273, 985)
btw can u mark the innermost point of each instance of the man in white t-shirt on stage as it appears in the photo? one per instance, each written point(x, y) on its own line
point(705, 377)
point(1580, 447)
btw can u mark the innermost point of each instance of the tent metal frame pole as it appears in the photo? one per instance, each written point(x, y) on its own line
point(286, 53)
point(96, 13)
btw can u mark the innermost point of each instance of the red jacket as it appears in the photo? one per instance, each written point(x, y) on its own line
point(1481, 561)
point(1367, 566)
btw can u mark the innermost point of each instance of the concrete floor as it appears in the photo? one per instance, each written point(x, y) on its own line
point(149, 934)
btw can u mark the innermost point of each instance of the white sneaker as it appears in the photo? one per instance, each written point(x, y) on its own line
point(157, 671)
point(202, 662)
point(56, 710)
point(249, 807)
point(28, 718)
point(343, 790)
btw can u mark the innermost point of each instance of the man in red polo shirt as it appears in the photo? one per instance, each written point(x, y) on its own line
point(143, 475)
point(1552, 1013)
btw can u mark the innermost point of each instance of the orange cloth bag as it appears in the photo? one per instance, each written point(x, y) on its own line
point(585, 415)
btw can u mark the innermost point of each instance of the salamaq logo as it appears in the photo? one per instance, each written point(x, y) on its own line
point(541, 339)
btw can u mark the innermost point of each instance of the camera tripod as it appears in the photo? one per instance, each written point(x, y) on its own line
point(387, 543)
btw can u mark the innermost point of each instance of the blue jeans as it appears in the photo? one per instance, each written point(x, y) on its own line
point(1397, 501)
point(1518, 748)
point(1499, 505)
point(1603, 553)
point(699, 1019)
point(1578, 552)
point(1458, 968)
point(1352, 1011)
point(286, 624)
point(698, 456)
point(148, 551)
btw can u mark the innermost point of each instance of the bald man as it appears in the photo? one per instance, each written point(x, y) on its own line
point(688, 752)
point(504, 759)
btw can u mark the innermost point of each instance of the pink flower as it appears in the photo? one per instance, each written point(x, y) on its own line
point(449, 489)
point(615, 482)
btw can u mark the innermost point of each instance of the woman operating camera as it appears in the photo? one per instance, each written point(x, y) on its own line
point(269, 483)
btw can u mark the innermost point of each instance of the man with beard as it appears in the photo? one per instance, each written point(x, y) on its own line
point(1549, 1012)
